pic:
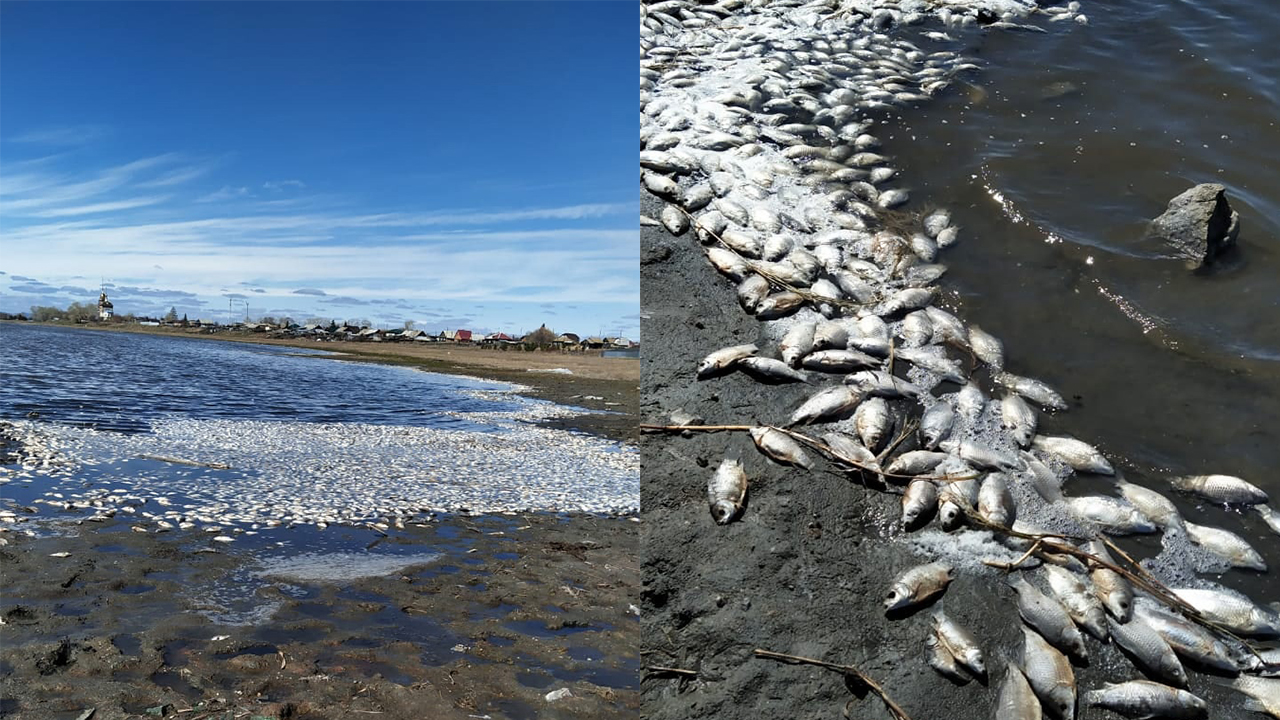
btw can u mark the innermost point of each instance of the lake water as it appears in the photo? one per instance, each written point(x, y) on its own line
point(185, 430)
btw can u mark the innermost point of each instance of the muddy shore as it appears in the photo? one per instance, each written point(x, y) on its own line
point(608, 386)
point(513, 608)
point(805, 568)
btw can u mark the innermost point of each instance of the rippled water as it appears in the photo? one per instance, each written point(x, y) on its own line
point(123, 381)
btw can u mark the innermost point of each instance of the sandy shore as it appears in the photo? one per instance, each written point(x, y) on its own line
point(513, 608)
point(594, 382)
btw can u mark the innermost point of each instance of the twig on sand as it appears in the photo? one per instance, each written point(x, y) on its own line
point(847, 670)
point(660, 670)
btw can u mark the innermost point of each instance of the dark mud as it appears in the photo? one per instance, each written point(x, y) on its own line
point(514, 607)
point(805, 569)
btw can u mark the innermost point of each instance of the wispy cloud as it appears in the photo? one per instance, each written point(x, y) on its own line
point(279, 185)
point(226, 193)
point(70, 135)
point(309, 291)
point(178, 176)
point(100, 207)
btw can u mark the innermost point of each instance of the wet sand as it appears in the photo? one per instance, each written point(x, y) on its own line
point(514, 608)
point(608, 385)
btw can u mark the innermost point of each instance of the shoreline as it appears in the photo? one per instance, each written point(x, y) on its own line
point(514, 607)
point(609, 386)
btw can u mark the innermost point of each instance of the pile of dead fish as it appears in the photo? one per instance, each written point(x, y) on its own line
point(756, 122)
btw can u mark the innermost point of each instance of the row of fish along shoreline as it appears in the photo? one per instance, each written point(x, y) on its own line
point(839, 473)
point(482, 566)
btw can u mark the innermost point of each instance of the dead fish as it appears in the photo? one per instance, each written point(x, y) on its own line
point(721, 360)
point(882, 384)
point(849, 450)
point(752, 291)
point(919, 584)
point(1108, 585)
point(1158, 508)
point(1116, 517)
point(1188, 640)
point(660, 185)
point(941, 660)
point(933, 359)
point(838, 361)
point(1017, 701)
point(770, 370)
point(948, 237)
point(779, 305)
point(916, 462)
point(871, 421)
point(955, 499)
point(780, 446)
point(1017, 417)
point(920, 499)
point(742, 242)
point(1226, 545)
point(961, 643)
point(727, 491)
point(937, 221)
point(947, 327)
point(1270, 517)
point(980, 456)
point(681, 417)
point(995, 503)
point(674, 220)
point(987, 347)
point(1224, 489)
point(1143, 699)
point(1049, 673)
point(777, 247)
point(797, 343)
point(1240, 615)
point(1082, 605)
point(936, 424)
point(830, 335)
point(728, 263)
point(1050, 619)
point(827, 403)
point(1081, 456)
point(970, 401)
point(916, 329)
point(893, 198)
point(906, 300)
point(1031, 389)
point(1043, 480)
point(1264, 694)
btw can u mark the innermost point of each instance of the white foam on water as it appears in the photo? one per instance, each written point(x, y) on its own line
point(337, 567)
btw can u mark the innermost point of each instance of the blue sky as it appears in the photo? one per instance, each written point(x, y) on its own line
point(457, 164)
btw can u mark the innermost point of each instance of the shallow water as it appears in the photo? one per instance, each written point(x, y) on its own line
point(123, 381)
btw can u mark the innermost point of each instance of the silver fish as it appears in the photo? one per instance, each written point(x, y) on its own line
point(780, 447)
point(882, 384)
point(779, 305)
point(987, 347)
point(752, 291)
point(1158, 508)
point(660, 185)
point(1049, 673)
point(1264, 694)
point(827, 403)
point(936, 424)
point(960, 642)
point(744, 243)
point(1142, 699)
point(728, 263)
point(906, 301)
point(1108, 585)
point(770, 369)
point(1043, 480)
point(1018, 418)
point(1188, 640)
point(727, 491)
point(937, 221)
point(1031, 389)
point(1017, 701)
point(942, 660)
point(723, 359)
point(797, 343)
point(956, 498)
point(1079, 455)
point(935, 360)
point(871, 421)
point(1224, 489)
point(1238, 614)
point(920, 499)
point(916, 462)
point(995, 503)
point(851, 451)
point(1049, 618)
point(1226, 545)
point(947, 327)
point(919, 584)
point(838, 361)
point(980, 456)
point(917, 329)
point(674, 220)
point(1269, 516)
point(970, 401)
point(1082, 605)
point(1116, 517)
point(830, 335)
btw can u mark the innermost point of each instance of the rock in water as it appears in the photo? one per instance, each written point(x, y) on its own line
point(1199, 224)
